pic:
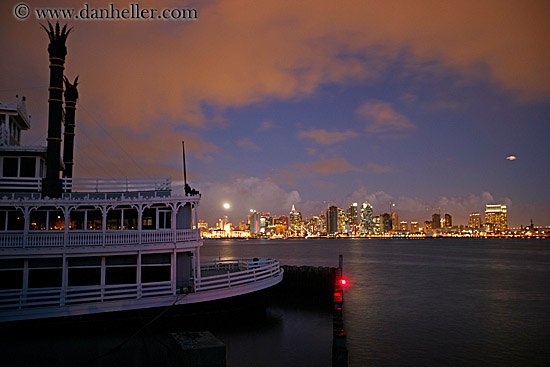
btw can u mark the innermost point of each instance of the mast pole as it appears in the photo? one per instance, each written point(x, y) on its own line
point(184, 168)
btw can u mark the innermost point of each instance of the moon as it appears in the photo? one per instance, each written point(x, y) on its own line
point(226, 205)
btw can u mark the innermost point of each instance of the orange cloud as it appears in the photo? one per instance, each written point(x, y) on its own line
point(378, 168)
point(322, 136)
point(325, 166)
point(248, 144)
point(242, 52)
point(383, 118)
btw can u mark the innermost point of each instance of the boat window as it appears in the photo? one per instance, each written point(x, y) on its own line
point(38, 220)
point(57, 220)
point(16, 222)
point(120, 275)
point(165, 219)
point(2, 220)
point(11, 274)
point(130, 219)
point(155, 273)
point(9, 167)
point(84, 271)
point(28, 167)
point(45, 272)
point(84, 261)
point(156, 259)
point(45, 278)
point(46, 262)
point(94, 220)
point(77, 220)
point(121, 260)
point(114, 219)
point(149, 218)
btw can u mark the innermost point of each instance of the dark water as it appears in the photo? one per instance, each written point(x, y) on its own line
point(432, 302)
point(456, 302)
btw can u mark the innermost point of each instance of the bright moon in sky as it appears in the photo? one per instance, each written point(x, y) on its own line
point(226, 205)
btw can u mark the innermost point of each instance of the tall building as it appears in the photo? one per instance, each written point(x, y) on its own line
point(475, 220)
point(366, 223)
point(403, 226)
point(295, 223)
point(394, 221)
point(332, 220)
point(385, 223)
point(436, 221)
point(352, 213)
point(376, 224)
point(342, 221)
point(428, 226)
point(448, 220)
point(496, 217)
point(258, 223)
point(414, 227)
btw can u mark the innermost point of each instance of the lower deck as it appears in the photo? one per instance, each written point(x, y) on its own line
point(53, 286)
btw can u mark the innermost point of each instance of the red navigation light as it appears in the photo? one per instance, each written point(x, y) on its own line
point(343, 281)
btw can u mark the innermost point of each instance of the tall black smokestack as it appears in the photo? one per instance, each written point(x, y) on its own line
point(71, 95)
point(52, 184)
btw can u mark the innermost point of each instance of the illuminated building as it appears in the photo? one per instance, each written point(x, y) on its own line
point(428, 226)
point(376, 225)
point(332, 220)
point(403, 226)
point(496, 217)
point(414, 227)
point(342, 221)
point(394, 221)
point(353, 216)
point(448, 220)
point(296, 225)
point(366, 223)
point(353, 219)
point(475, 220)
point(258, 223)
point(436, 221)
point(385, 223)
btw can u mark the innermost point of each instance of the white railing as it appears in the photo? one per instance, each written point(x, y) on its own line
point(235, 272)
point(117, 184)
point(31, 184)
point(89, 185)
point(96, 238)
point(42, 297)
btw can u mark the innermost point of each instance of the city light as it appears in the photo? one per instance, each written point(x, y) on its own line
point(226, 205)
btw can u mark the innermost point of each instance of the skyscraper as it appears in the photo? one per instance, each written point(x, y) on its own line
point(436, 221)
point(353, 219)
point(366, 224)
point(448, 220)
point(496, 217)
point(414, 227)
point(475, 220)
point(295, 222)
point(332, 220)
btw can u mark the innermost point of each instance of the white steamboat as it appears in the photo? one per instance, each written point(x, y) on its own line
point(71, 246)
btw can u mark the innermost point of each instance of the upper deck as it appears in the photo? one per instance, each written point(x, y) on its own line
point(96, 212)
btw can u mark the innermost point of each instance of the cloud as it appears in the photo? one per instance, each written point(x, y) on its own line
point(382, 118)
point(244, 194)
point(248, 144)
point(378, 168)
point(325, 166)
point(326, 137)
point(266, 125)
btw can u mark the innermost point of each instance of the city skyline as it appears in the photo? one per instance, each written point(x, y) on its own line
point(447, 219)
point(423, 104)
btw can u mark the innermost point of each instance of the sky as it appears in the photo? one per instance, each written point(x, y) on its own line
point(307, 103)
